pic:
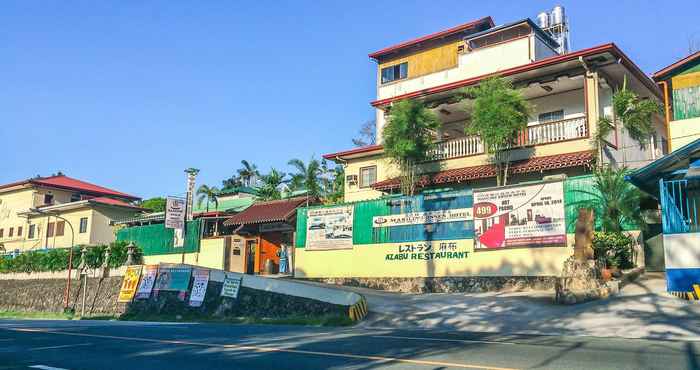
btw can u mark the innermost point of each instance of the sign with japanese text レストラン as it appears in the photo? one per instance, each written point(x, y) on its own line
point(129, 284)
point(427, 251)
point(522, 216)
point(148, 279)
point(420, 218)
point(232, 284)
point(199, 287)
point(329, 228)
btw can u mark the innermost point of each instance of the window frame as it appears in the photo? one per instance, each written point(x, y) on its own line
point(551, 113)
point(11, 232)
point(19, 231)
point(2, 233)
point(50, 229)
point(360, 181)
point(60, 228)
point(394, 69)
point(81, 229)
point(31, 231)
point(50, 197)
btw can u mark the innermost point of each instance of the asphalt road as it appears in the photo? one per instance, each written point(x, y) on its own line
point(128, 345)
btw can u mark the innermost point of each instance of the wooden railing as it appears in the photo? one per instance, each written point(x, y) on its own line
point(544, 133)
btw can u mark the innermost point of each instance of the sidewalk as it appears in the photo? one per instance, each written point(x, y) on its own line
point(641, 310)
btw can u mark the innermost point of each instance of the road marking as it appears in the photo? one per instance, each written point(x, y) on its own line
point(59, 347)
point(446, 340)
point(44, 367)
point(268, 349)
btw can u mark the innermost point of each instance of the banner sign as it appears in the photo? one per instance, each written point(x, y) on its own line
point(419, 218)
point(147, 281)
point(175, 213)
point(329, 228)
point(129, 284)
point(199, 287)
point(232, 284)
point(427, 251)
point(524, 216)
point(173, 278)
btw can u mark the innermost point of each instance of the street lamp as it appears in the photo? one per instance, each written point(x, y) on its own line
point(70, 253)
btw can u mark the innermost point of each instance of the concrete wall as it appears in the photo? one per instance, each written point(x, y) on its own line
point(682, 257)
point(684, 132)
point(211, 255)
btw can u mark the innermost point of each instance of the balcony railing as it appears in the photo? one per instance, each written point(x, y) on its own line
point(545, 133)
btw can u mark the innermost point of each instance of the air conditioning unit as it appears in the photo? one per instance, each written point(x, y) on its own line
point(351, 179)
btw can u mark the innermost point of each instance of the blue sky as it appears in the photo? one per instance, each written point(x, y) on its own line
point(127, 94)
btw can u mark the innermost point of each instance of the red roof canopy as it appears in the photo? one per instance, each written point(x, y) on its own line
point(536, 164)
point(271, 211)
point(69, 183)
point(668, 69)
point(114, 202)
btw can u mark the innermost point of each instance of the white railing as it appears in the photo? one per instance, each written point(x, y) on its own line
point(545, 133)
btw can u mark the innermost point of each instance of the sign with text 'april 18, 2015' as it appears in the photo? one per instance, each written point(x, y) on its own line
point(521, 216)
point(329, 228)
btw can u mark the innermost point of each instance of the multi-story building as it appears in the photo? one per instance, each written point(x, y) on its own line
point(680, 83)
point(55, 211)
point(569, 92)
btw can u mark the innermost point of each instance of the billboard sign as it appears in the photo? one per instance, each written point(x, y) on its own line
point(147, 281)
point(129, 284)
point(329, 228)
point(420, 218)
point(175, 213)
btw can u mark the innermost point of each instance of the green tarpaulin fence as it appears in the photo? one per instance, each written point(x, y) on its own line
point(156, 239)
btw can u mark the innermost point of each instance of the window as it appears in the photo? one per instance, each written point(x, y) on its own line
point(395, 72)
point(11, 233)
point(368, 176)
point(83, 225)
point(2, 231)
point(49, 229)
point(32, 230)
point(75, 197)
point(19, 231)
point(556, 115)
point(60, 227)
point(48, 199)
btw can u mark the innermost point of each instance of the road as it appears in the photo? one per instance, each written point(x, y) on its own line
point(131, 345)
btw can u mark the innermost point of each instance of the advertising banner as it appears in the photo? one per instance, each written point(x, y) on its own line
point(175, 213)
point(173, 278)
point(199, 287)
point(419, 218)
point(522, 216)
point(148, 279)
point(129, 284)
point(329, 228)
point(232, 284)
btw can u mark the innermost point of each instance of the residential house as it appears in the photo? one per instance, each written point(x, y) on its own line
point(57, 211)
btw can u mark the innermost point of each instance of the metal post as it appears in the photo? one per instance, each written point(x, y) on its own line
point(83, 275)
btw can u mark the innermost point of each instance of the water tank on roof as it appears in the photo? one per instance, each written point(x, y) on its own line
point(543, 20)
point(557, 15)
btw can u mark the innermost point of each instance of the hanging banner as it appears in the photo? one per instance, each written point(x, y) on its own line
point(232, 284)
point(129, 284)
point(175, 213)
point(420, 218)
point(523, 216)
point(329, 228)
point(199, 287)
point(173, 278)
point(148, 279)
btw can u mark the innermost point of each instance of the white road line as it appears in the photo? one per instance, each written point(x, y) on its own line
point(44, 367)
point(59, 347)
point(447, 340)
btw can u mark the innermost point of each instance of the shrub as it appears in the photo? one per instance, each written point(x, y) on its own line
point(614, 248)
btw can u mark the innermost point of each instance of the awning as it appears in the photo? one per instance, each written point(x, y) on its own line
point(671, 165)
point(536, 164)
point(271, 211)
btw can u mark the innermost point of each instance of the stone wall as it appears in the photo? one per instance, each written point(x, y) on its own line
point(471, 284)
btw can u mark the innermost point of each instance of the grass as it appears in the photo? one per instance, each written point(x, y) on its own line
point(44, 315)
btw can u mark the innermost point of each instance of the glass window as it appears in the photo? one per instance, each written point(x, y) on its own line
point(48, 198)
point(83, 225)
point(60, 227)
point(368, 176)
point(2, 231)
point(556, 115)
point(19, 231)
point(75, 197)
point(32, 230)
point(395, 72)
point(11, 233)
point(49, 229)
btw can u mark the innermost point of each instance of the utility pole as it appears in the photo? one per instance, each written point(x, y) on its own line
point(189, 200)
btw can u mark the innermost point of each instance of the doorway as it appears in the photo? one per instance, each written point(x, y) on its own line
point(250, 247)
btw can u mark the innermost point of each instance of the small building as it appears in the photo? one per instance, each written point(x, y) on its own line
point(680, 83)
point(55, 211)
point(675, 181)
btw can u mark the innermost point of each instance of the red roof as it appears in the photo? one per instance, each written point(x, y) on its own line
point(114, 202)
point(611, 48)
point(486, 21)
point(360, 150)
point(536, 164)
point(666, 70)
point(69, 183)
point(270, 211)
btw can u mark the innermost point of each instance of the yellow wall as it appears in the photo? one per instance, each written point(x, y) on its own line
point(370, 261)
point(684, 132)
point(211, 255)
point(425, 61)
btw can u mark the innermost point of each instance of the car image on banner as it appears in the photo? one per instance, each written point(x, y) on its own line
point(521, 216)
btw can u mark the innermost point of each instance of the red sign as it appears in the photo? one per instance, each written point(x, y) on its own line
point(484, 210)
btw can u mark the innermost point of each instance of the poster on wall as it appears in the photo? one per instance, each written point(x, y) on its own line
point(232, 284)
point(329, 228)
point(147, 281)
point(199, 287)
point(129, 284)
point(522, 216)
point(173, 278)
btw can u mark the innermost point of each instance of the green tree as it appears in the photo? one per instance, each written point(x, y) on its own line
point(307, 177)
point(615, 201)
point(248, 173)
point(408, 135)
point(156, 204)
point(209, 194)
point(271, 183)
point(499, 114)
point(335, 192)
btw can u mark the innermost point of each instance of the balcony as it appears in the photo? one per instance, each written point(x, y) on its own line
point(544, 133)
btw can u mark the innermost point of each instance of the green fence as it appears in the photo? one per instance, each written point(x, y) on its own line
point(576, 192)
point(156, 239)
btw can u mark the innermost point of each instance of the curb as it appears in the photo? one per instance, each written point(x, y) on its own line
point(693, 295)
point(359, 310)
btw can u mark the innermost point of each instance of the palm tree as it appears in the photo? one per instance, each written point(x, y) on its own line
point(613, 199)
point(271, 183)
point(307, 177)
point(335, 187)
point(208, 193)
point(247, 173)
